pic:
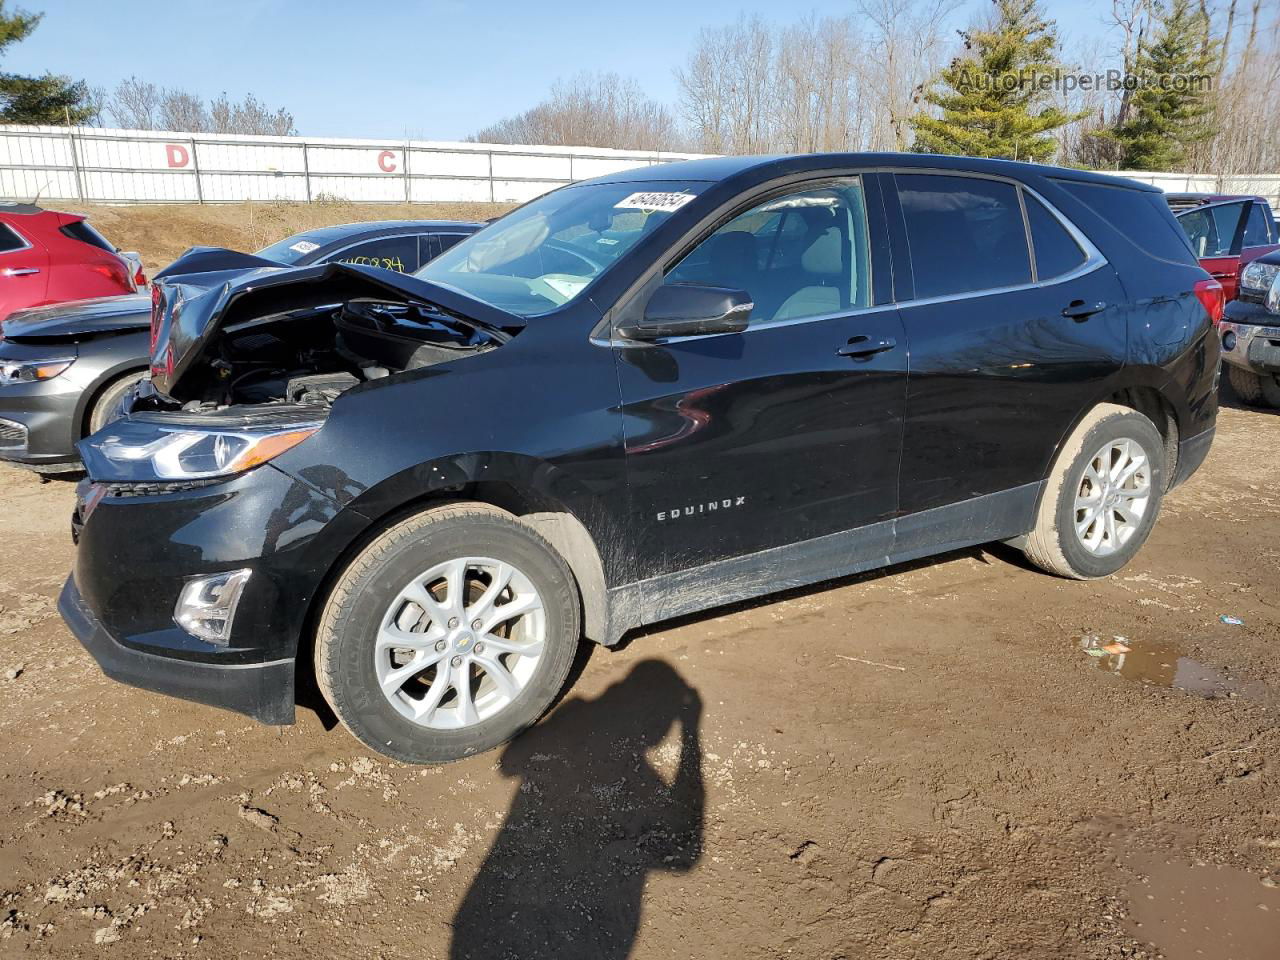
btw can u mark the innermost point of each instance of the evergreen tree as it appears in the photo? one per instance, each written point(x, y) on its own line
point(48, 99)
point(995, 100)
point(1170, 110)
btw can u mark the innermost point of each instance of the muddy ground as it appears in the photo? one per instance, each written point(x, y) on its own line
point(920, 763)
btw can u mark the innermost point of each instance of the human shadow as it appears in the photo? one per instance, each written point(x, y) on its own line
point(593, 816)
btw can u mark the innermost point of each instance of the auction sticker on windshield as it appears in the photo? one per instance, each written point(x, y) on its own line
point(663, 202)
point(304, 247)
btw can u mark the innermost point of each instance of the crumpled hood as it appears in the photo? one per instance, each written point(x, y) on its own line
point(79, 318)
point(209, 259)
point(188, 311)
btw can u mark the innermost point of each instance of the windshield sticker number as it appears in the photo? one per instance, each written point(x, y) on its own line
point(654, 202)
point(304, 247)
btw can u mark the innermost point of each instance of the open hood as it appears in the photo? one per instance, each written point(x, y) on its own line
point(189, 311)
point(79, 318)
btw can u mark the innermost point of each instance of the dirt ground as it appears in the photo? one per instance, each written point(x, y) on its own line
point(160, 232)
point(920, 763)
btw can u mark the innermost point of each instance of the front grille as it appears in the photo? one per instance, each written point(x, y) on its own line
point(12, 434)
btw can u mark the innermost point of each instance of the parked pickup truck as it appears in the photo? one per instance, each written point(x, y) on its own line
point(1250, 334)
point(1226, 232)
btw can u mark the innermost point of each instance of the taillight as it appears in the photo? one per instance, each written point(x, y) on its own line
point(1209, 293)
point(139, 279)
point(117, 273)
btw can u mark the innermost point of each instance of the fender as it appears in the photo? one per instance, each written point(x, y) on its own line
point(576, 523)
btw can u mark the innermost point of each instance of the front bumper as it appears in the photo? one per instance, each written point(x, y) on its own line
point(263, 691)
point(139, 545)
point(1251, 339)
point(38, 425)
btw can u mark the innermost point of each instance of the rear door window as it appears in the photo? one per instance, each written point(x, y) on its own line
point(1212, 230)
point(10, 240)
point(1056, 251)
point(966, 234)
point(398, 253)
point(800, 255)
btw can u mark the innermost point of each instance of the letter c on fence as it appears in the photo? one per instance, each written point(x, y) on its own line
point(387, 161)
point(178, 156)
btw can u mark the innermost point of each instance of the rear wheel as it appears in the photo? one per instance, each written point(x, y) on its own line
point(106, 407)
point(1102, 496)
point(1246, 384)
point(449, 634)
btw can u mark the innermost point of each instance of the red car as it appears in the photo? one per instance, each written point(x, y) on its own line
point(48, 257)
point(1226, 232)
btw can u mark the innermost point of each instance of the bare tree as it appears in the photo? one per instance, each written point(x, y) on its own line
point(727, 87)
point(907, 44)
point(600, 110)
point(134, 105)
point(139, 105)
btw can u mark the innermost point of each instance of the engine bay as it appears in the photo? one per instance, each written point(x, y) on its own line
point(310, 357)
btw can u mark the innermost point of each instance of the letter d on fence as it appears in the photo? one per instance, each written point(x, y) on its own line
point(177, 154)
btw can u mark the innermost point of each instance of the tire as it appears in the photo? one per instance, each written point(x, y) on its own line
point(368, 599)
point(1270, 389)
point(1246, 384)
point(1054, 544)
point(106, 407)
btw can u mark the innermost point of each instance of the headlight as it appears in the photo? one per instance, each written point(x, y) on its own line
point(1273, 296)
point(29, 371)
point(1259, 276)
point(139, 450)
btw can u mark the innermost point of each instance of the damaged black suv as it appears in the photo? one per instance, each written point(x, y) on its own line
point(631, 399)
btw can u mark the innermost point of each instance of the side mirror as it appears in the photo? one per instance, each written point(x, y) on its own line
point(689, 310)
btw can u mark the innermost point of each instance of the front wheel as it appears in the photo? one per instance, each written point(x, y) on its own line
point(1246, 384)
point(448, 634)
point(1102, 496)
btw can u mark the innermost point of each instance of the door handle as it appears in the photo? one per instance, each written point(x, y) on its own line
point(19, 271)
point(1079, 311)
point(863, 348)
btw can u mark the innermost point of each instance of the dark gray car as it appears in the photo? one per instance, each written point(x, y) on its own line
point(64, 368)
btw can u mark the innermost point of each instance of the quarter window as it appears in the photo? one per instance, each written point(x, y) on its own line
point(9, 239)
point(800, 255)
point(390, 253)
point(966, 234)
point(1056, 251)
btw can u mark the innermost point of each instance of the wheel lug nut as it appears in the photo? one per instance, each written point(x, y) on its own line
point(453, 622)
point(475, 624)
point(479, 648)
point(456, 661)
point(440, 645)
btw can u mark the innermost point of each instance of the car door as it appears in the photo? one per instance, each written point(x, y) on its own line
point(1009, 340)
point(24, 270)
point(790, 430)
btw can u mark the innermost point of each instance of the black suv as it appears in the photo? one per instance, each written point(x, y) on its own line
point(631, 399)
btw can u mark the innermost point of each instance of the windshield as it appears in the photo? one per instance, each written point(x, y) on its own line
point(544, 254)
point(290, 250)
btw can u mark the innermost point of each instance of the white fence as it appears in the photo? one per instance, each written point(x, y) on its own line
point(140, 166)
point(1263, 185)
point(136, 166)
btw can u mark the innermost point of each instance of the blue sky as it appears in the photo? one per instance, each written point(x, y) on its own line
point(432, 69)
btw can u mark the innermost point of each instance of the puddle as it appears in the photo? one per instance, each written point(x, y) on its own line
point(1204, 911)
point(1163, 665)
